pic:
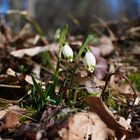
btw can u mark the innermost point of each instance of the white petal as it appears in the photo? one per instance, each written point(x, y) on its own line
point(89, 61)
point(67, 52)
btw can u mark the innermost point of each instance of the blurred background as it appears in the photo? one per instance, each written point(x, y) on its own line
point(81, 15)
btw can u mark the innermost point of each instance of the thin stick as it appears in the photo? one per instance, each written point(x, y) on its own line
point(136, 99)
point(10, 86)
point(121, 74)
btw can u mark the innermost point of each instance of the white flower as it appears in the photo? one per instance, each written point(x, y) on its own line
point(89, 61)
point(67, 52)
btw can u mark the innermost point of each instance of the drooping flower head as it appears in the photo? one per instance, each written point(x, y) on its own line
point(89, 61)
point(67, 52)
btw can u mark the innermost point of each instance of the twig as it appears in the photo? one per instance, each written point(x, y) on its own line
point(10, 86)
point(130, 114)
point(136, 99)
point(121, 74)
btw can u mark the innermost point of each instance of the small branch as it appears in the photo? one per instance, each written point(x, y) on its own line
point(121, 74)
point(136, 99)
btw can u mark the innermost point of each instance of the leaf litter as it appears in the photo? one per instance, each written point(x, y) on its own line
point(34, 104)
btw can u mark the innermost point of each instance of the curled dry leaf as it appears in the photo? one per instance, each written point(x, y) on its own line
point(96, 105)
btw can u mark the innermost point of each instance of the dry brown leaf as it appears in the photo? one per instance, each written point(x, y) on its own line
point(28, 78)
point(10, 117)
point(116, 82)
point(36, 50)
point(86, 125)
point(29, 52)
point(96, 105)
point(93, 85)
point(10, 120)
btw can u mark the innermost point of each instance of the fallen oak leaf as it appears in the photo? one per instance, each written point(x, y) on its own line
point(91, 127)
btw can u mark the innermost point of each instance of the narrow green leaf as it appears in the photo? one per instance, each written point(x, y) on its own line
point(84, 45)
point(63, 33)
point(38, 89)
point(61, 90)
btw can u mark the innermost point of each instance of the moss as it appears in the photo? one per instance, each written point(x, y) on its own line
point(135, 79)
point(112, 103)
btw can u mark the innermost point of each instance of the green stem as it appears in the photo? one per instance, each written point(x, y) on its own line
point(71, 82)
point(58, 64)
point(62, 41)
point(83, 47)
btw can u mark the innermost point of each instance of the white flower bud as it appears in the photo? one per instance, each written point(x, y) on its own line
point(89, 61)
point(67, 52)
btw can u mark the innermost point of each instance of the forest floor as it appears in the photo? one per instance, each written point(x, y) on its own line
point(44, 96)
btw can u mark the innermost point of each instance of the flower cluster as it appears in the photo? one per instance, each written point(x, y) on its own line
point(89, 58)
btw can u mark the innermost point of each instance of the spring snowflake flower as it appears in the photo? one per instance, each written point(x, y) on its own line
point(67, 52)
point(89, 61)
